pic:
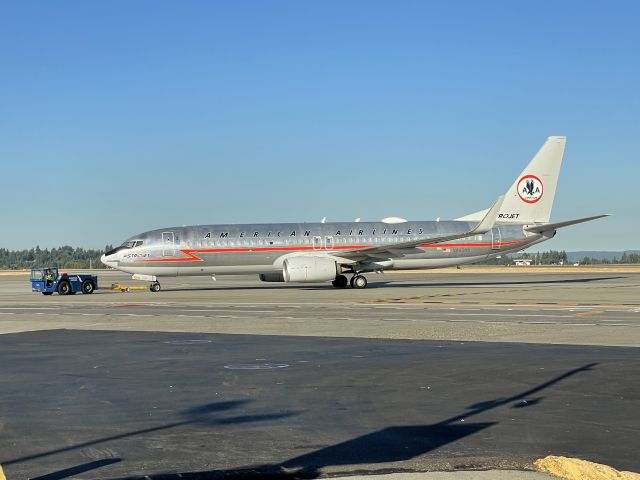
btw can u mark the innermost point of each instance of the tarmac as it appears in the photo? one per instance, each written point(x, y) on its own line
point(475, 373)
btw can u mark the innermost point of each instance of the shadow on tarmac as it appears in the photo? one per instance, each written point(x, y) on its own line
point(374, 283)
point(391, 444)
point(199, 415)
point(489, 283)
point(78, 469)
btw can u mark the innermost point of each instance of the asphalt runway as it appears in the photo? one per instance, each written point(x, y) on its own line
point(155, 403)
point(235, 378)
point(598, 308)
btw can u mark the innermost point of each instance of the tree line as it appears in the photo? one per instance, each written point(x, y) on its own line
point(627, 257)
point(559, 257)
point(63, 257)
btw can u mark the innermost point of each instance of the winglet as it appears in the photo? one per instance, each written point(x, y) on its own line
point(489, 219)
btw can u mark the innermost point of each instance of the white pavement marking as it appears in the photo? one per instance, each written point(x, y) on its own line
point(29, 308)
point(235, 310)
point(509, 315)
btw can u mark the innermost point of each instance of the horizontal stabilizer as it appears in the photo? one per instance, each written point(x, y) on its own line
point(553, 226)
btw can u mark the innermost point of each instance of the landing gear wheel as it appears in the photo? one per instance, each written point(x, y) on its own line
point(359, 281)
point(154, 287)
point(64, 288)
point(88, 287)
point(340, 281)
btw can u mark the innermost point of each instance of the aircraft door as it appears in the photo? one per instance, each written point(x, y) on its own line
point(317, 243)
point(168, 244)
point(496, 238)
point(328, 243)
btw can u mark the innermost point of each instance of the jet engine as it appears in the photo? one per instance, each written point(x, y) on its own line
point(271, 277)
point(309, 269)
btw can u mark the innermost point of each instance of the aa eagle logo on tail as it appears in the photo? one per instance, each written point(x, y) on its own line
point(530, 189)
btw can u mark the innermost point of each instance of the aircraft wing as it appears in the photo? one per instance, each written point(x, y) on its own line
point(386, 251)
point(553, 226)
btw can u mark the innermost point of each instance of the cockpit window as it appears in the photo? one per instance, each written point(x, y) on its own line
point(126, 245)
point(133, 243)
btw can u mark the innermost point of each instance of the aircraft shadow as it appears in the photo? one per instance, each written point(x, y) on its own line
point(199, 415)
point(78, 469)
point(374, 283)
point(391, 284)
point(390, 444)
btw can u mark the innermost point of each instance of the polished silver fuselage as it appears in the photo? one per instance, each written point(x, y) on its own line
point(262, 248)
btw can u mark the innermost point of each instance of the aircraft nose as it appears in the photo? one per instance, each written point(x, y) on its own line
point(109, 262)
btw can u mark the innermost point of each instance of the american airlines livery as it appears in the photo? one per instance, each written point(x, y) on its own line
point(319, 252)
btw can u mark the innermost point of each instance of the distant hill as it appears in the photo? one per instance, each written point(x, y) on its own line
point(597, 255)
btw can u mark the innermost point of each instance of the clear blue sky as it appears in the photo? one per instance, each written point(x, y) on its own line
point(141, 115)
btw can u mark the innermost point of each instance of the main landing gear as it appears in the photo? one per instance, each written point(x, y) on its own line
point(357, 281)
point(340, 281)
point(155, 287)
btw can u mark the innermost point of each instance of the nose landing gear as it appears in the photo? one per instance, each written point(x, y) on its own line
point(155, 286)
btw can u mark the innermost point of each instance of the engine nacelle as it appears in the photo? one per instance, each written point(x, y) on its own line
point(271, 277)
point(309, 269)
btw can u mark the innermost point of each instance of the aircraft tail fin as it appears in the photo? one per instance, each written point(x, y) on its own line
point(530, 198)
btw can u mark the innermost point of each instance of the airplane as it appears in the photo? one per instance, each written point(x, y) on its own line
point(332, 251)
